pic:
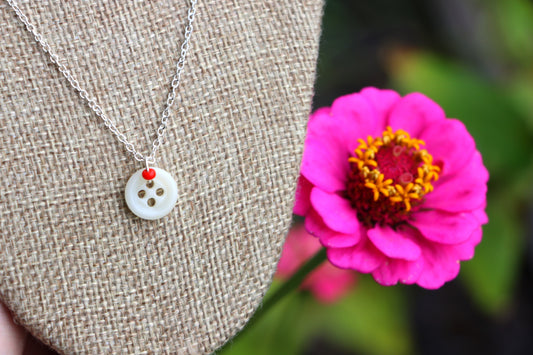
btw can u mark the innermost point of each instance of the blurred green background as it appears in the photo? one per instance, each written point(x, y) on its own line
point(475, 58)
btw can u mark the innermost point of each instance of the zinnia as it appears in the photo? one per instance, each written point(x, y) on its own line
point(327, 283)
point(392, 187)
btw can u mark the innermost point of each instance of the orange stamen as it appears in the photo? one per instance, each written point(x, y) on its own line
point(387, 189)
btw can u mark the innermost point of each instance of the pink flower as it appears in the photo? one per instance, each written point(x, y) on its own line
point(392, 187)
point(326, 282)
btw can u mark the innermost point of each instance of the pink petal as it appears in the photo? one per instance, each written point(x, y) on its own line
point(302, 198)
point(414, 112)
point(299, 247)
point(481, 215)
point(336, 212)
point(363, 257)
point(329, 283)
point(395, 270)
point(441, 264)
point(326, 282)
point(332, 135)
point(289, 261)
point(444, 227)
point(465, 250)
point(464, 191)
point(328, 237)
point(449, 141)
point(394, 244)
point(383, 101)
point(360, 118)
point(325, 157)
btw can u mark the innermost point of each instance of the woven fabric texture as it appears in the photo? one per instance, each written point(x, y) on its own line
point(78, 269)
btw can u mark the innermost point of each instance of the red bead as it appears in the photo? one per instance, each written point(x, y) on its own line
point(149, 174)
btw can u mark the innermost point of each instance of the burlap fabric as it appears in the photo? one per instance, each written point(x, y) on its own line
point(78, 269)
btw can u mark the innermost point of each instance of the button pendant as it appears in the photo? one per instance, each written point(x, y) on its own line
point(151, 196)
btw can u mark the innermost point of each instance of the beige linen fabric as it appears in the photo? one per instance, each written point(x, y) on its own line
point(78, 269)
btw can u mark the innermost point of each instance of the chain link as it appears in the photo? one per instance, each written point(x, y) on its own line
point(91, 102)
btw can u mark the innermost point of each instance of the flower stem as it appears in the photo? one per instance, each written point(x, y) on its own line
point(290, 285)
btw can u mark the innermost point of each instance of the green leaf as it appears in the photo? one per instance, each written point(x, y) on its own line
point(276, 294)
point(498, 127)
point(492, 274)
point(521, 92)
point(372, 319)
point(284, 329)
point(514, 19)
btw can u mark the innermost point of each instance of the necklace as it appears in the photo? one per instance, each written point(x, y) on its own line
point(151, 193)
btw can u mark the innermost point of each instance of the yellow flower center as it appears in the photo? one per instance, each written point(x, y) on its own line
point(394, 170)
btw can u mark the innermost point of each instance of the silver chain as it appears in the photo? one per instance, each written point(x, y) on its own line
point(149, 159)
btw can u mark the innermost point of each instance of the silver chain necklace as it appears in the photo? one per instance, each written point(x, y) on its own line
point(151, 193)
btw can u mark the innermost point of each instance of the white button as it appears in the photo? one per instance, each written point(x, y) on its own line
point(151, 199)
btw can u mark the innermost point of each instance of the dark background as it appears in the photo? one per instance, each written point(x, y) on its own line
point(475, 58)
point(360, 42)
